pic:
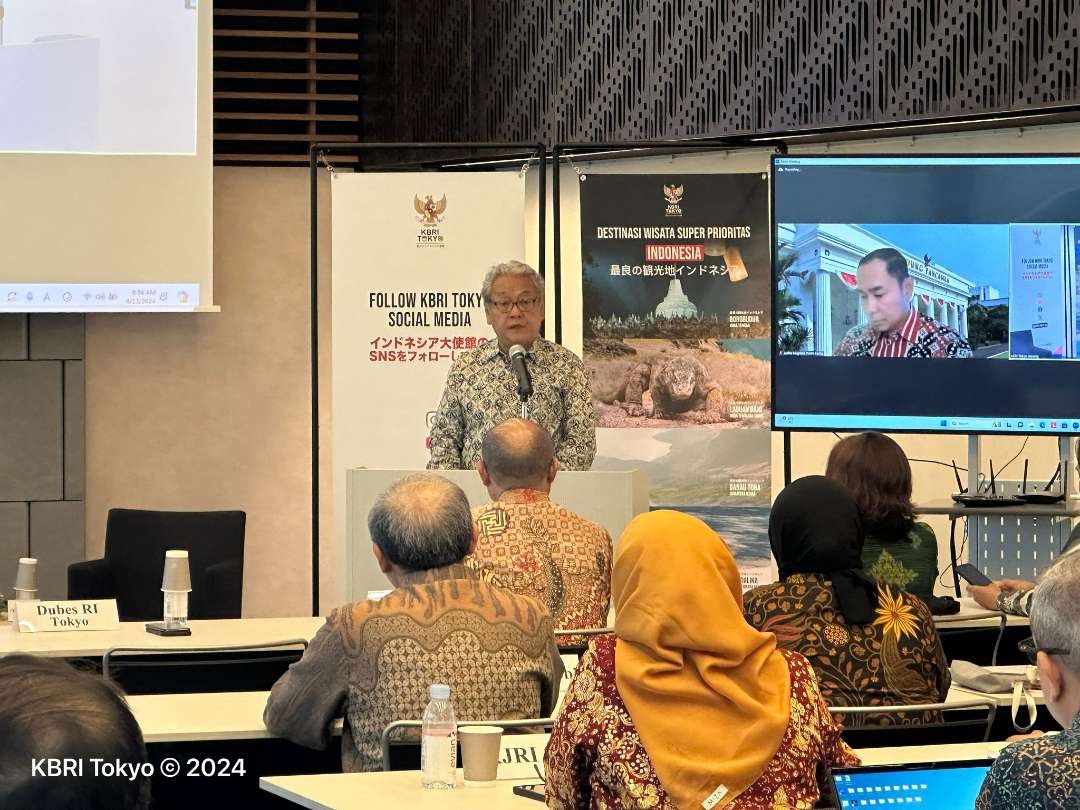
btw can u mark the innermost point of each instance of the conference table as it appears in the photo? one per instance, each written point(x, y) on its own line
point(238, 715)
point(218, 722)
point(345, 791)
point(204, 716)
point(222, 633)
point(205, 633)
point(973, 616)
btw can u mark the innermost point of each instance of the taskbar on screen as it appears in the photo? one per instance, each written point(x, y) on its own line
point(926, 424)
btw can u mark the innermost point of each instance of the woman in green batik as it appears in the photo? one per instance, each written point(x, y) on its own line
point(898, 550)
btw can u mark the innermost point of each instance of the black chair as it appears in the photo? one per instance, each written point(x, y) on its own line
point(186, 670)
point(135, 544)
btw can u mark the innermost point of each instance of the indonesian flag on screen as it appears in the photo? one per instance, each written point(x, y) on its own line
point(925, 298)
point(849, 280)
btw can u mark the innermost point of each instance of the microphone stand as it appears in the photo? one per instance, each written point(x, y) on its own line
point(524, 383)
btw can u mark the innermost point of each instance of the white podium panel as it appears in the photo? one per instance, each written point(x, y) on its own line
point(609, 498)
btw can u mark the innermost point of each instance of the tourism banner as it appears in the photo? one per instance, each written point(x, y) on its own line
point(676, 321)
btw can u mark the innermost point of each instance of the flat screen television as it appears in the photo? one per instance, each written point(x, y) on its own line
point(929, 293)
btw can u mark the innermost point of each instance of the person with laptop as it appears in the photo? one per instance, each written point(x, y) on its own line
point(1044, 772)
point(870, 643)
point(685, 705)
point(531, 545)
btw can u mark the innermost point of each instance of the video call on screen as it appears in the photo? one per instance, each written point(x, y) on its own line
point(989, 248)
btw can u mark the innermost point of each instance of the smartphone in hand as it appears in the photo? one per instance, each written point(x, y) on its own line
point(972, 575)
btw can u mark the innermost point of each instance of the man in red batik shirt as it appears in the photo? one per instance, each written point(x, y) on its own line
point(896, 328)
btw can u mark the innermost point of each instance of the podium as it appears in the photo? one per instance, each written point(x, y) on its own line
point(608, 498)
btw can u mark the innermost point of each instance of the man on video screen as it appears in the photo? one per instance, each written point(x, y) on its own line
point(895, 326)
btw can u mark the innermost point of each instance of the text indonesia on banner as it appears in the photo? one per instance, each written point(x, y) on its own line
point(676, 321)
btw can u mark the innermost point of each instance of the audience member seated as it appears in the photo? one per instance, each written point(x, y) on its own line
point(686, 705)
point(1014, 596)
point(373, 661)
point(870, 643)
point(897, 550)
point(51, 711)
point(1045, 771)
point(529, 544)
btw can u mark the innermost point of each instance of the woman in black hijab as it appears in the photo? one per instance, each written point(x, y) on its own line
point(870, 643)
point(815, 528)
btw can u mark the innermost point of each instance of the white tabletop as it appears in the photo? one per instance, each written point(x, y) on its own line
point(338, 791)
point(204, 633)
point(972, 615)
point(906, 754)
point(204, 716)
point(238, 715)
point(345, 791)
point(240, 632)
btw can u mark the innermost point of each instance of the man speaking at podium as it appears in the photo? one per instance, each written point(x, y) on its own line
point(484, 389)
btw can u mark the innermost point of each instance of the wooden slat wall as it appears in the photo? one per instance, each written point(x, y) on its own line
point(286, 74)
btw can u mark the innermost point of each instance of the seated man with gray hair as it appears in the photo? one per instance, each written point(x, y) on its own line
point(481, 388)
point(528, 543)
point(373, 661)
point(1045, 771)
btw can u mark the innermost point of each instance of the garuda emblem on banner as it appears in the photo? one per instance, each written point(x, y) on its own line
point(431, 212)
point(673, 194)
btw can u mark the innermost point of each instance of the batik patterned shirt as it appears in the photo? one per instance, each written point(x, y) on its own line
point(532, 546)
point(597, 761)
point(374, 661)
point(481, 392)
point(1039, 773)
point(897, 659)
point(907, 563)
point(920, 336)
point(1017, 603)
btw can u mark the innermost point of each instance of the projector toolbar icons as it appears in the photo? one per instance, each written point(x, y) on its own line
point(98, 297)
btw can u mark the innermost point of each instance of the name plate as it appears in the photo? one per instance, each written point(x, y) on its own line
point(521, 756)
point(54, 617)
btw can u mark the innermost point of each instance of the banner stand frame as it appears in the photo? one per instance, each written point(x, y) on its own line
point(643, 149)
point(507, 151)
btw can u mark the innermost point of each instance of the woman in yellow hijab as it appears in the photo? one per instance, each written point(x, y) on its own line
point(686, 705)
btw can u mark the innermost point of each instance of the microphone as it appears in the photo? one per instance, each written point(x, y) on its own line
point(517, 361)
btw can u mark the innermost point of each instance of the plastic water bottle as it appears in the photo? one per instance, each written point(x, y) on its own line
point(438, 741)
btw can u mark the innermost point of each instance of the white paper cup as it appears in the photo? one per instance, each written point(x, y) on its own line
point(480, 747)
point(177, 574)
point(26, 574)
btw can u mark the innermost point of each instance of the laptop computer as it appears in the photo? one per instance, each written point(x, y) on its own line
point(919, 784)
